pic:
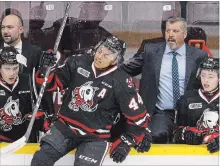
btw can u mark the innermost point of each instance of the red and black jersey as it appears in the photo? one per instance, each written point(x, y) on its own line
point(93, 101)
point(197, 109)
point(15, 104)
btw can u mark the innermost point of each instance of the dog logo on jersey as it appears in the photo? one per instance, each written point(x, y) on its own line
point(82, 97)
point(10, 114)
point(208, 120)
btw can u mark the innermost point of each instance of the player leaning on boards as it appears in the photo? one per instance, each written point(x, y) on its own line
point(97, 91)
point(15, 95)
point(198, 110)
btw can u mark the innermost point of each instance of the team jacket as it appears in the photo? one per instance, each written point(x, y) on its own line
point(14, 105)
point(194, 109)
point(92, 101)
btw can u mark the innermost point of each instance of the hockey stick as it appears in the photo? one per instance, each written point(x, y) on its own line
point(23, 140)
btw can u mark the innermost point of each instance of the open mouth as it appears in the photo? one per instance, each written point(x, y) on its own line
point(206, 86)
point(171, 40)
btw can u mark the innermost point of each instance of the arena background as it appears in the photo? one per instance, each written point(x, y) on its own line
point(132, 21)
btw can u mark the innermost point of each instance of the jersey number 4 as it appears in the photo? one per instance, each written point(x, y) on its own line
point(133, 104)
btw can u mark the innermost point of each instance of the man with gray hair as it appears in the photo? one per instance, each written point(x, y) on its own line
point(166, 69)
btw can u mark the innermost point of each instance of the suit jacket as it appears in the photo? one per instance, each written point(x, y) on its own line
point(148, 63)
point(33, 54)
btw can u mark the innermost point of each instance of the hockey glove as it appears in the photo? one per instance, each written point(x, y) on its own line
point(47, 60)
point(49, 120)
point(213, 146)
point(145, 144)
point(121, 148)
point(193, 136)
point(187, 135)
point(178, 136)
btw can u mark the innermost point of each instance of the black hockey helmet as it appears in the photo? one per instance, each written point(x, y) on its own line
point(209, 63)
point(115, 45)
point(9, 55)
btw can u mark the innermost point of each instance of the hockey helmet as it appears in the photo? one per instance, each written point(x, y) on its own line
point(9, 55)
point(115, 45)
point(209, 64)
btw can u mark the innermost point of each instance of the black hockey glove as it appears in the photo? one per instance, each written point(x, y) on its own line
point(121, 148)
point(213, 146)
point(178, 136)
point(192, 136)
point(187, 135)
point(145, 144)
point(47, 60)
point(49, 120)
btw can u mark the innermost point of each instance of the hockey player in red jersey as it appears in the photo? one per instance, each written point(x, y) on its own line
point(198, 110)
point(97, 91)
point(15, 97)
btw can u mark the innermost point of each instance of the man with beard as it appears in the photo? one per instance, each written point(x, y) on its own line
point(166, 69)
point(11, 29)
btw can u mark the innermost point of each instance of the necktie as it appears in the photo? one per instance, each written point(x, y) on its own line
point(175, 79)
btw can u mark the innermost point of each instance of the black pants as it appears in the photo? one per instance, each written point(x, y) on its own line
point(55, 145)
point(161, 125)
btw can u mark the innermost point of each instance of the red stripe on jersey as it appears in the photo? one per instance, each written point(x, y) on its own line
point(108, 127)
point(6, 139)
point(41, 80)
point(144, 125)
point(75, 131)
point(138, 139)
point(71, 121)
point(115, 144)
point(56, 84)
point(139, 116)
point(59, 83)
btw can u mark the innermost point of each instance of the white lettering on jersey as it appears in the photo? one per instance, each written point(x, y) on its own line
point(20, 92)
point(59, 97)
point(104, 83)
point(2, 93)
point(195, 105)
point(102, 93)
point(83, 72)
point(133, 104)
point(140, 101)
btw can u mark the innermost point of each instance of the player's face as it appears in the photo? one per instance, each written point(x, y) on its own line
point(11, 30)
point(175, 35)
point(104, 58)
point(209, 80)
point(9, 73)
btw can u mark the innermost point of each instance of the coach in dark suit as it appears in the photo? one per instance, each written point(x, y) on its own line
point(12, 28)
point(166, 69)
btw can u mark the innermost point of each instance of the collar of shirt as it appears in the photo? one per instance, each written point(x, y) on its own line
point(18, 47)
point(181, 51)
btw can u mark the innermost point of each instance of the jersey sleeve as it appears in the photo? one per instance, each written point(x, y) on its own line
point(61, 77)
point(132, 107)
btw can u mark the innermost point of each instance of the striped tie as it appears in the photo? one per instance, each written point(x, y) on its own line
point(175, 79)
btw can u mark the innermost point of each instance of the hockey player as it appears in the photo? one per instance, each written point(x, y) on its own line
point(15, 97)
point(97, 91)
point(197, 110)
